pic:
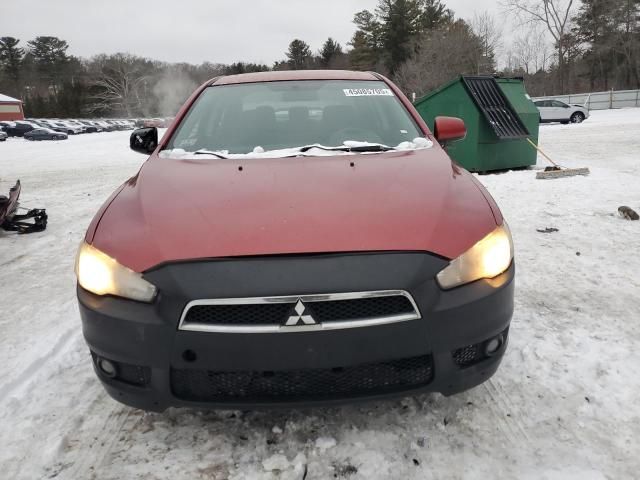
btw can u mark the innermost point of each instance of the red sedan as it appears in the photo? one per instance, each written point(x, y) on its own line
point(295, 238)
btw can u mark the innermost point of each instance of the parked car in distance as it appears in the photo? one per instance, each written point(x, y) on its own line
point(45, 134)
point(321, 247)
point(52, 125)
point(77, 124)
point(6, 125)
point(3, 136)
point(17, 128)
point(71, 129)
point(556, 111)
point(124, 124)
point(154, 122)
point(90, 127)
point(106, 126)
point(37, 122)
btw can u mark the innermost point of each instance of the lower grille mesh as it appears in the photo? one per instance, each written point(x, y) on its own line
point(466, 356)
point(369, 379)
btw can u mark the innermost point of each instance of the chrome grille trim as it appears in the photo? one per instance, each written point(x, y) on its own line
point(275, 328)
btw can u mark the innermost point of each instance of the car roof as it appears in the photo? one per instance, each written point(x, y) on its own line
point(280, 76)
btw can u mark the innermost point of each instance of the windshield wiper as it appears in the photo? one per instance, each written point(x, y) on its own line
point(207, 152)
point(373, 147)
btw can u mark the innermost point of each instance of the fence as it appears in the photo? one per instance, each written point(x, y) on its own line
point(601, 100)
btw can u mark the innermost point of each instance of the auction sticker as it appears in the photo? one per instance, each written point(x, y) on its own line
point(368, 92)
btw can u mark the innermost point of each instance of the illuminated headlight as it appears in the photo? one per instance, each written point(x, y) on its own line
point(486, 259)
point(100, 274)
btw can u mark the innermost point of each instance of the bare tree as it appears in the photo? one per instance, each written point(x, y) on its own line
point(555, 16)
point(120, 84)
point(531, 50)
point(485, 28)
point(442, 55)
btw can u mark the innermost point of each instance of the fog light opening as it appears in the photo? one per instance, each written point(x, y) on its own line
point(189, 356)
point(493, 345)
point(107, 367)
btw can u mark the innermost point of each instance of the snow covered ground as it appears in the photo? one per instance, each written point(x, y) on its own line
point(563, 405)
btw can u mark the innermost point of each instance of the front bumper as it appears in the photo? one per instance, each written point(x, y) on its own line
point(159, 364)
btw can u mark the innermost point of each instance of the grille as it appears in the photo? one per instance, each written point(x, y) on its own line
point(250, 314)
point(465, 356)
point(276, 311)
point(361, 308)
point(495, 107)
point(369, 379)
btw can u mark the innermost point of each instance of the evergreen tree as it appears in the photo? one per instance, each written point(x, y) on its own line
point(595, 28)
point(11, 57)
point(435, 15)
point(50, 58)
point(242, 67)
point(627, 20)
point(299, 55)
point(362, 56)
point(330, 50)
point(609, 31)
point(400, 24)
point(393, 30)
point(369, 29)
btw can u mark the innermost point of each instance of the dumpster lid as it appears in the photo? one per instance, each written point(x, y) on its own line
point(495, 107)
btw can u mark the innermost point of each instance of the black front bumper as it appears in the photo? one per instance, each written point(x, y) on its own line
point(160, 366)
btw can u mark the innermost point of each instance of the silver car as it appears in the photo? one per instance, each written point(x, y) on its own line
point(557, 111)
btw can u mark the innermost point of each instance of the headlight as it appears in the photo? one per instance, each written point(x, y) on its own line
point(486, 259)
point(102, 275)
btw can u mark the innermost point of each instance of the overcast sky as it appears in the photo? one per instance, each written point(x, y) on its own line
point(194, 31)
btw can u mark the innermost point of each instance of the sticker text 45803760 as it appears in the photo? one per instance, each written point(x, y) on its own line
point(368, 92)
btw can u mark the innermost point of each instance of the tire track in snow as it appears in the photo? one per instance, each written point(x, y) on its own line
point(511, 408)
point(13, 260)
point(34, 367)
point(503, 410)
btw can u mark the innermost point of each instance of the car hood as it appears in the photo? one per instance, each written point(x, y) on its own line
point(176, 210)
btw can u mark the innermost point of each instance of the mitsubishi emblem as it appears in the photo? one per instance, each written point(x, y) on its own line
point(295, 319)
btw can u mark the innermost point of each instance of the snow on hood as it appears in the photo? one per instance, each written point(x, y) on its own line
point(318, 150)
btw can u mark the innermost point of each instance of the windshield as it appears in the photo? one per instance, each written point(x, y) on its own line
point(243, 118)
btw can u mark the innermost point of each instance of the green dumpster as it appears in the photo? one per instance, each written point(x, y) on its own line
point(499, 116)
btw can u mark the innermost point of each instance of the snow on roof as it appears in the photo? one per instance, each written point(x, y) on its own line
point(6, 98)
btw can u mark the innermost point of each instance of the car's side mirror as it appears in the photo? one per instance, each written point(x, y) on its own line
point(144, 140)
point(449, 129)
